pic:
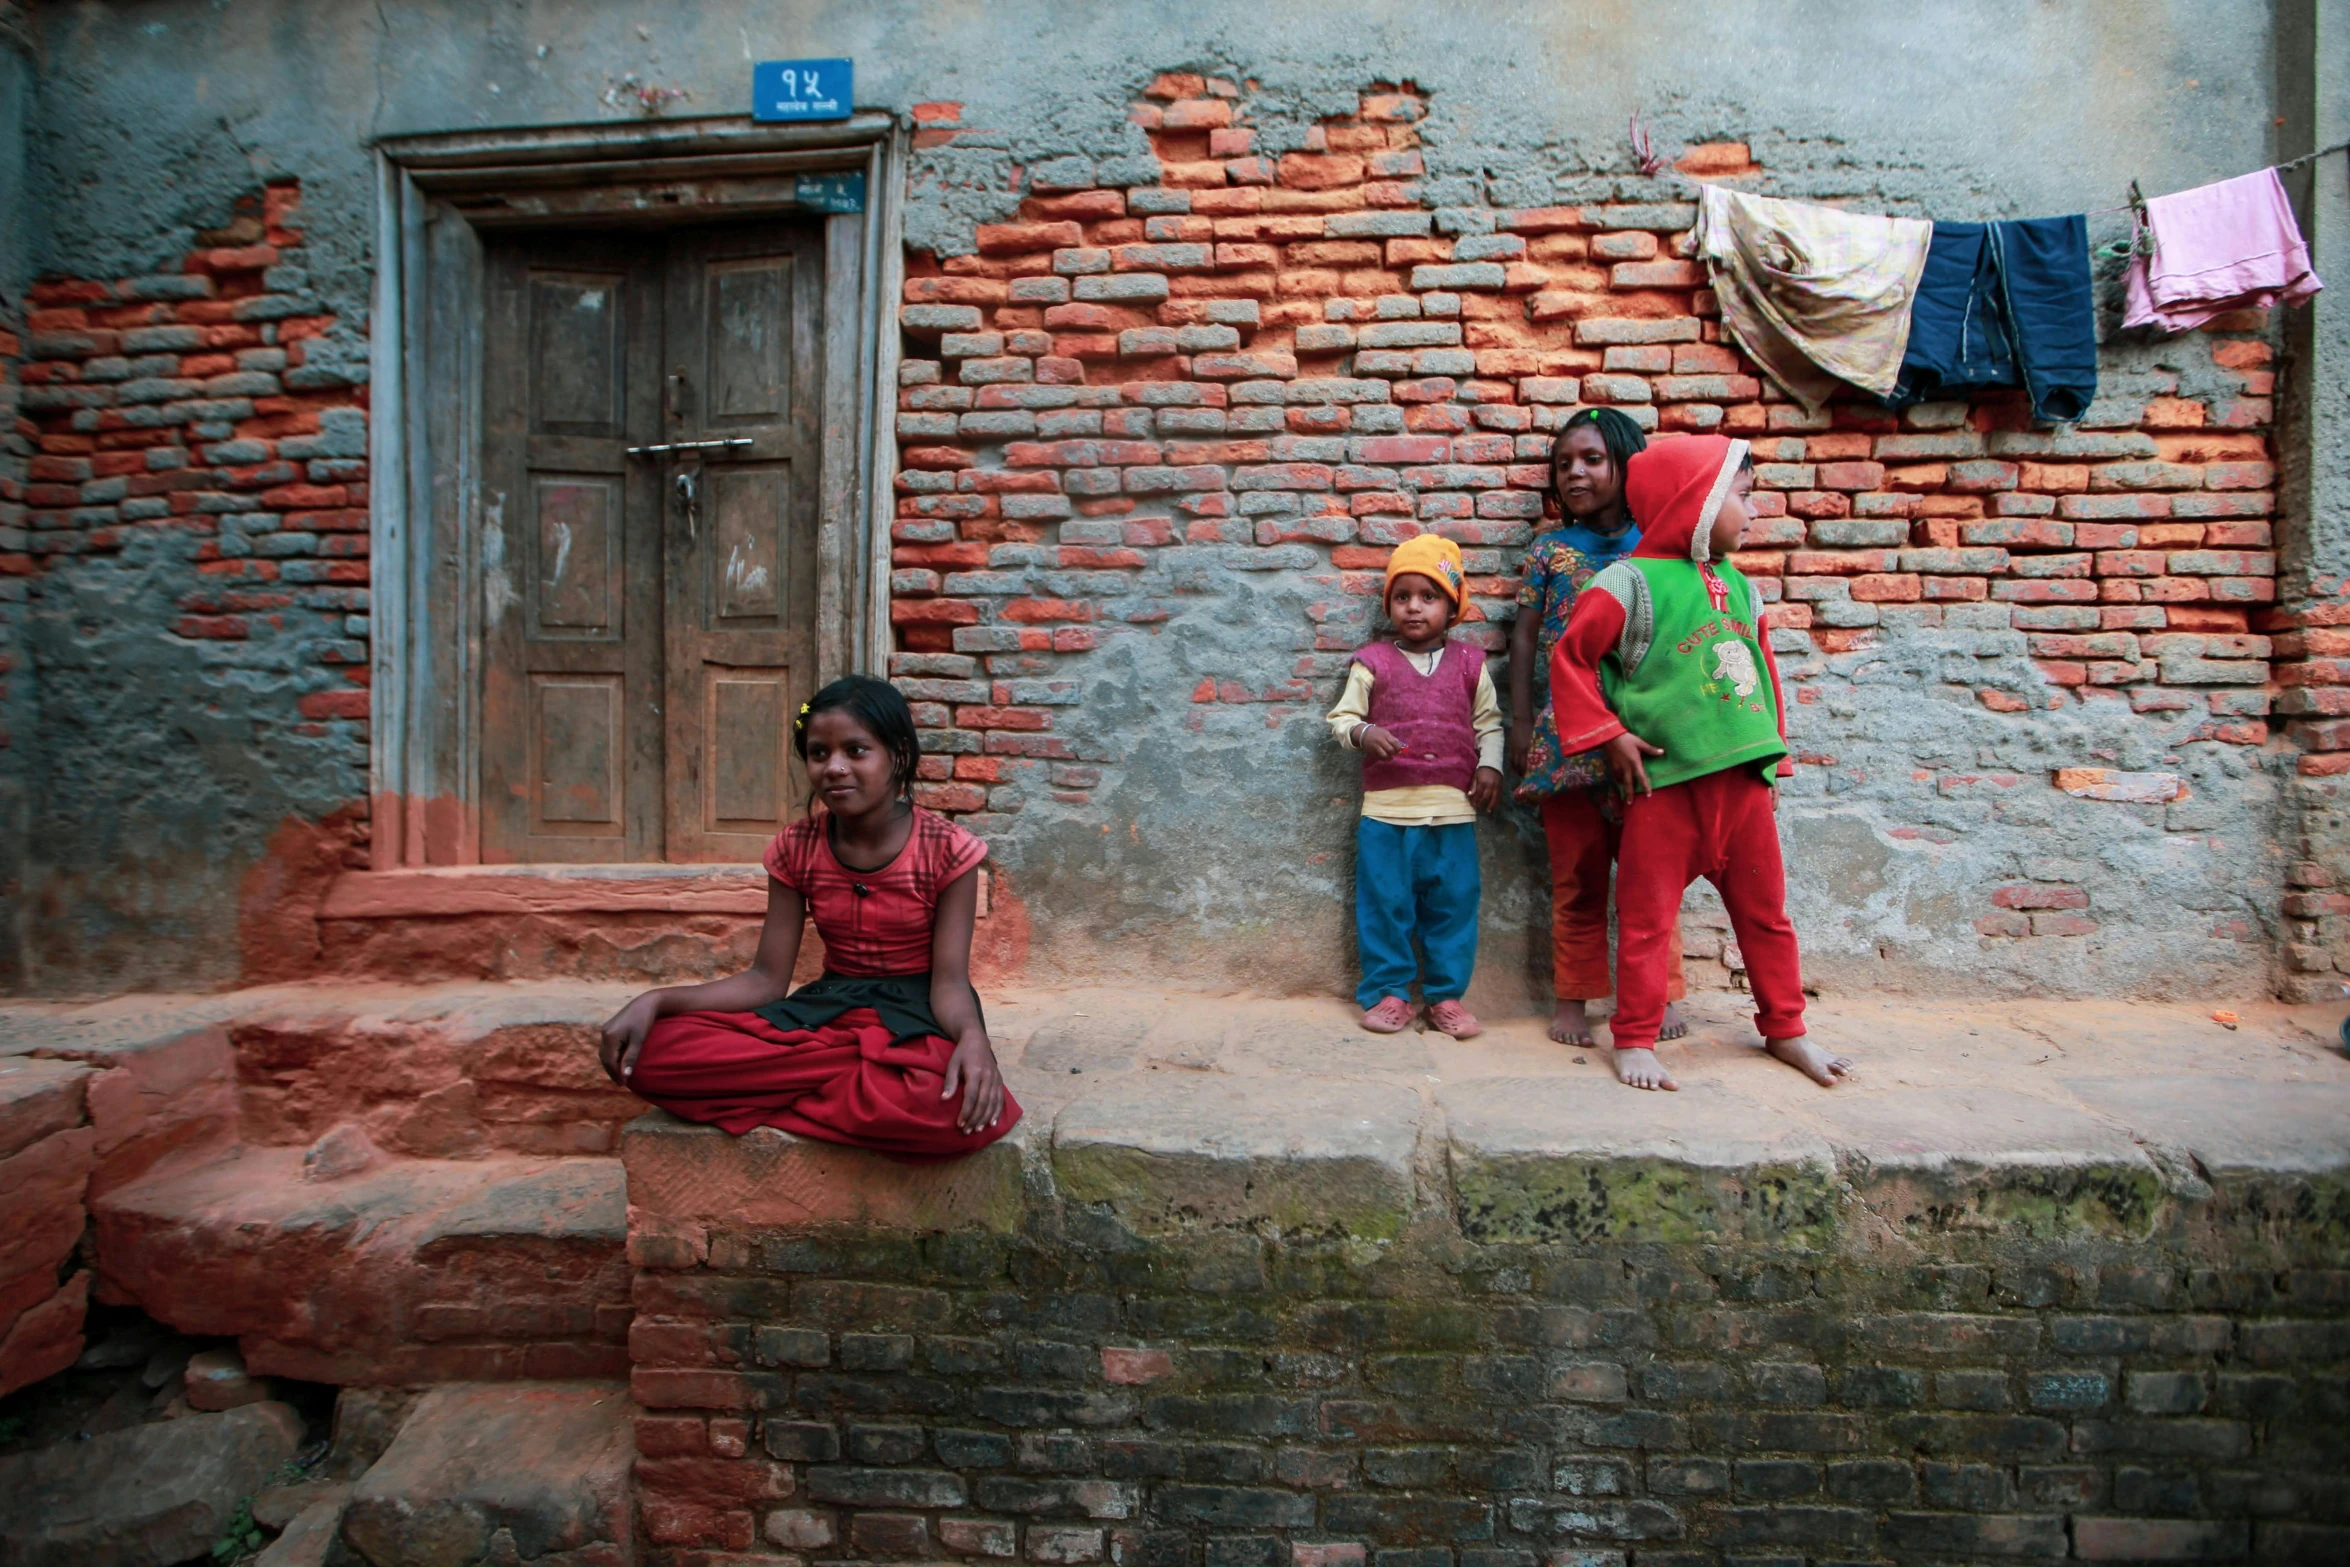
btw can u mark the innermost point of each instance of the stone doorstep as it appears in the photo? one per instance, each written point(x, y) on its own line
point(436, 891)
point(158, 1085)
point(446, 1072)
point(586, 924)
point(413, 1270)
point(440, 891)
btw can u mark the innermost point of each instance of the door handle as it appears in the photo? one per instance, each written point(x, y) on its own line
point(673, 396)
point(689, 497)
point(662, 448)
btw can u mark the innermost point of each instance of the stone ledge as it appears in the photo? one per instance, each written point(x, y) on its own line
point(682, 1177)
point(1549, 1160)
point(1175, 1150)
point(546, 889)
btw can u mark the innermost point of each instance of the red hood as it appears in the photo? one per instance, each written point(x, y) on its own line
point(1674, 490)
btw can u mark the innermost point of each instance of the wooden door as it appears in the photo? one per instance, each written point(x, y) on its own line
point(744, 360)
point(570, 552)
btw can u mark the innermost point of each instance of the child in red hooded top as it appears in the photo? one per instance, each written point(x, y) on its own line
point(1666, 663)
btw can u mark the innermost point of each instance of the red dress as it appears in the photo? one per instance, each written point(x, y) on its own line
point(844, 1075)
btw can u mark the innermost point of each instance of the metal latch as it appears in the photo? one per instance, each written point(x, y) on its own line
point(662, 447)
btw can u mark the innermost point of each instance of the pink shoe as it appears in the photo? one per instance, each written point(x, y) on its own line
point(1392, 1015)
point(1450, 1017)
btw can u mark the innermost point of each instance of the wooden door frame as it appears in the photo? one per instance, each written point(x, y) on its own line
point(428, 513)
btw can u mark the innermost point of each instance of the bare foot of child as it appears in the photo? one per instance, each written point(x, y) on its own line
point(1641, 1069)
point(1809, 1059)
point(1675, 1026)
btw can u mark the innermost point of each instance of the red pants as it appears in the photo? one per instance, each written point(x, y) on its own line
point(1583, 843)
point(1720, 827)
point(844, 1083)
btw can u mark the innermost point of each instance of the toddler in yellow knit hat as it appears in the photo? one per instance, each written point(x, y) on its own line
point(1421, 709)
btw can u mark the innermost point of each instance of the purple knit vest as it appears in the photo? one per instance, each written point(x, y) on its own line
point(1428, 713)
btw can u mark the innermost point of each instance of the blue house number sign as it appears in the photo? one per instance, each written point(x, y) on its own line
point(802, 90)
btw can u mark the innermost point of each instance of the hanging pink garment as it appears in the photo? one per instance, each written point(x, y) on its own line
point(2229, 246)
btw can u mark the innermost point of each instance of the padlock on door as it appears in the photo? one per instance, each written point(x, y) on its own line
point(688, 485)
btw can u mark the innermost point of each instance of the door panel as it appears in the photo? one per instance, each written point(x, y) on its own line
point(575, 575)
point(748, 339)
point(647, 645)
point(571, 722)
point(750, 516)
point(749, 748)
point(576, 380)
point(741, 602)
point(576, 735)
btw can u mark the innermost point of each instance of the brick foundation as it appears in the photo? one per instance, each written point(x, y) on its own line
point(1605, 1360)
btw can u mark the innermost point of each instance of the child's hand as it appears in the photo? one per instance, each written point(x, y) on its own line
point(972, 1072)
point(1521, 742)
point(624, 1036)
point(1376, 743)
point(1485, 789)
point(1624, 755)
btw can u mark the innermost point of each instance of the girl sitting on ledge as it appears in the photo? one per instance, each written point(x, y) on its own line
point(888, 1049)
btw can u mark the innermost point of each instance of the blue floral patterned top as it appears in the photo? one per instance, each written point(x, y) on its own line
point(1558, 565)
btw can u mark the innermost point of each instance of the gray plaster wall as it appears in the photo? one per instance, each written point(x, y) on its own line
point(1219, 855)
point(19, 217)
point(19, 711)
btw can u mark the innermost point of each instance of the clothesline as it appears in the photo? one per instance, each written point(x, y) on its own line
point(1645, 155)
point(2289, 163)
point(1905, 309)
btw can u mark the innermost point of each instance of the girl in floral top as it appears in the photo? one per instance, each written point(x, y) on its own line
point(1580, 816)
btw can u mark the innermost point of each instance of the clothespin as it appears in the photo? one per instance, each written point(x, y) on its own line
point(2141, 226)
point(2141, 240)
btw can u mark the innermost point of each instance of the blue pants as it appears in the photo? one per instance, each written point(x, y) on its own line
point(1415, 881)
point(2005, 304)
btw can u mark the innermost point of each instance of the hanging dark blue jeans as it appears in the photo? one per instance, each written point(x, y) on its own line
point(2005, 304)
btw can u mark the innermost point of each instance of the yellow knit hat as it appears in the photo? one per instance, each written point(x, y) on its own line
point(1437, 559)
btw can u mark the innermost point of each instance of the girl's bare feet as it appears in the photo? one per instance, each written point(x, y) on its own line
point(1641, 1069)
point(1570, 1024)
point(1809, 1059)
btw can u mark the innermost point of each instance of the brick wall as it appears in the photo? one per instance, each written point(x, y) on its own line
point(2311, 637)
point(185, 402)
point(1071, 1392)
point(1286, 364)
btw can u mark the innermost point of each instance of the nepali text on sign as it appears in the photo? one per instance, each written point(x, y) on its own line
point(832, 192)
point(802, 90)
